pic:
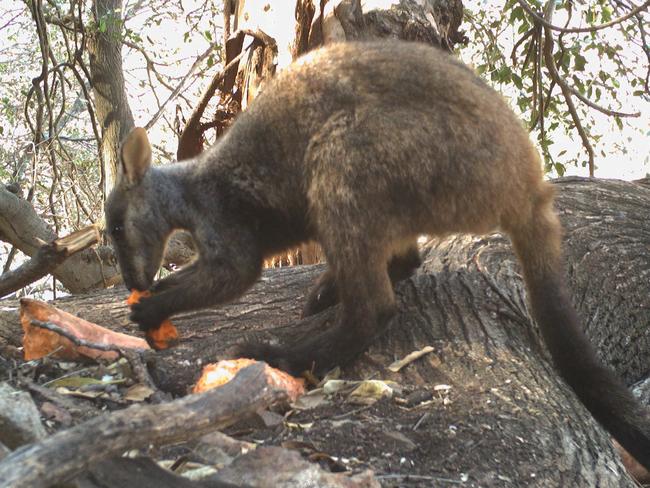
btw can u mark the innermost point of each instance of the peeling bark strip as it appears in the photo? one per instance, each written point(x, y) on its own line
point(68, 453)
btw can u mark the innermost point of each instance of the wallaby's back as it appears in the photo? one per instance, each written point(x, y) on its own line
point(392, 118)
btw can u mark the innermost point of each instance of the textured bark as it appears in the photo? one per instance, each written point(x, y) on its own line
point(508, 419)
point(111, 104)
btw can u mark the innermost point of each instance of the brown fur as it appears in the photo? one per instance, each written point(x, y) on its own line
point(363, 147)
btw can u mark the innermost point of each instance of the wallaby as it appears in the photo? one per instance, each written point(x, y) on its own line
point(362, 147)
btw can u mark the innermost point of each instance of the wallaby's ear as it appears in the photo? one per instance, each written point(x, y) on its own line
point(135, 155)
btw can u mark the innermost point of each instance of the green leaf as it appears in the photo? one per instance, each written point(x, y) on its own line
point(606, 14)
point(619, 123)
point(559, 169)
point(504, 74)
point(579, 62)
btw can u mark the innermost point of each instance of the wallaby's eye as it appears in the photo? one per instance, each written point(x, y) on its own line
point(117, 230)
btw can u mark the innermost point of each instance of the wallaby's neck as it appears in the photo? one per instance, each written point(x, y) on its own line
point(169, 191)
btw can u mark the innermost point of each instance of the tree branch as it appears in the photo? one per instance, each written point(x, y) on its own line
point(48, 257)
point(538, 18)
point(566, 91)
point(180, 86)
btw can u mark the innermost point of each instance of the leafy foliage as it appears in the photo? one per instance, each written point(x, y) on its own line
point(609, 67)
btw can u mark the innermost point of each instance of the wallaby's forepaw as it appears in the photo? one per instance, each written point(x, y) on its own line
point(147, 313)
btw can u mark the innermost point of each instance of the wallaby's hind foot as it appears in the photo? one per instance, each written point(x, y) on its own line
point(330, 345)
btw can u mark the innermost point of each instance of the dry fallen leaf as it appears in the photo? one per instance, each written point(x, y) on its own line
point(369, 391)
point(138, 393)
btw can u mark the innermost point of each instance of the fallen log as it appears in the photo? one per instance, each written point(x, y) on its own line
point(70, 452)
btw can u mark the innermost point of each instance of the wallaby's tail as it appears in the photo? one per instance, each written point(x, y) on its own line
point(537, 243)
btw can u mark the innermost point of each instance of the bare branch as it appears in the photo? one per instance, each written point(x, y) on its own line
point(181, 85)
point(48, 257)
point(566, 91)
point(538, 18)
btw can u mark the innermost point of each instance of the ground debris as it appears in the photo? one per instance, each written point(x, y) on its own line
point(20, 420)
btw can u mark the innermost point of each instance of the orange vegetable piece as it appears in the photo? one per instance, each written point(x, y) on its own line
point(165, 334)
point(218, 374)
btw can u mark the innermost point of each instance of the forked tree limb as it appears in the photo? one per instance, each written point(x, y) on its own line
point(70, 452)
point(48, 257)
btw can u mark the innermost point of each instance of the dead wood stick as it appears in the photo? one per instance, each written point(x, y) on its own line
point(48, 257)
point(70, 452)
point(77, 341)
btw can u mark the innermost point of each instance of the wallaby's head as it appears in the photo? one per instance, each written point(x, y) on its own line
point(135, 217)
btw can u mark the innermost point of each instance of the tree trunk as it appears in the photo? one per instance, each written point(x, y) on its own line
point(111, 104)
point(507, 419)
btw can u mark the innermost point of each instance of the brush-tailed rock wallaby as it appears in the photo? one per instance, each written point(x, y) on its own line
point(362, 147)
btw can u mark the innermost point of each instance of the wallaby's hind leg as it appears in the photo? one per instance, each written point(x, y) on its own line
point(324, 293)
point(367, 305)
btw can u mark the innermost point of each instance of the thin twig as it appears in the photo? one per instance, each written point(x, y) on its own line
point(180, 86)
point(77, 341)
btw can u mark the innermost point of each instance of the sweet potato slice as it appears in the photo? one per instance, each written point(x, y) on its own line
point(39, 342)
point(165, 335)
point(218, 374)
